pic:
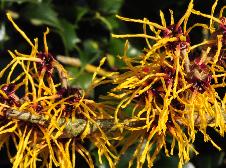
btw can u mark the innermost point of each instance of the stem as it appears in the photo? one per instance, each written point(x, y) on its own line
point(76, 127)
point(72, 128)
point(89, 68)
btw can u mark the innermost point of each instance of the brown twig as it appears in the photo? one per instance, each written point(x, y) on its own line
point(89, 68)
point(71, 128)
point(76, 127)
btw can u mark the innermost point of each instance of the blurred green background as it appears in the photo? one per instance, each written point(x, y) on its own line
point(82, 29)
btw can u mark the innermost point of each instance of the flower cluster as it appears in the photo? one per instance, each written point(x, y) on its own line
point(170, 90)
point(45, 120)
point(161, 99)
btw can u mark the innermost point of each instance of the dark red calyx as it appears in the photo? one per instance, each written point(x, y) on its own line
point(146, 69)
point(38, 107)
point(222, 30)
point(168, 71)
point(174, 31)
point(73, 93)
point(200, 77)
point(157, 96)
point(46, 62)
point(170, 74)
point(200, 74)
point(200, 85)
point(201, 66)
point(223, 23)
point(9, 90)
point(177, 105)
point(169, 122)
point(222, 59)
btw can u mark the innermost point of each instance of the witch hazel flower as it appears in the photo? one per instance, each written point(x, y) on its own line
point(48, 121)
point(170, 91)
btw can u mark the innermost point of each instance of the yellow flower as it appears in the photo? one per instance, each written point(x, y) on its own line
point(49, 122)
point(170, 90)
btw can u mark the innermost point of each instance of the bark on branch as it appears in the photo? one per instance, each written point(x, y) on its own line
point(76, 127)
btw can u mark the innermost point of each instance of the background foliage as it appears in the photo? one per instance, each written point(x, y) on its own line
point(82, 29)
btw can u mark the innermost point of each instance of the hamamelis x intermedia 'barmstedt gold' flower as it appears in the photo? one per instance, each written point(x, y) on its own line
point(170, 90)
point(36, 121)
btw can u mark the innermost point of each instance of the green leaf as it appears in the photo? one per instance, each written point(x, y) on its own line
point(104, 21)
point(68, 35)
point(3, 35)
point(83, 81)
point(125, 158)
point(22, 1)
point(132, 51)
point(42, 13)
point(109, 6)
point(88, 55)
point(80, 12)
point(97, 163)
point(91, 46)
point(115, 23)
point(116, 47)
point(111, 60)
point(45, 14)
point(90, 52)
